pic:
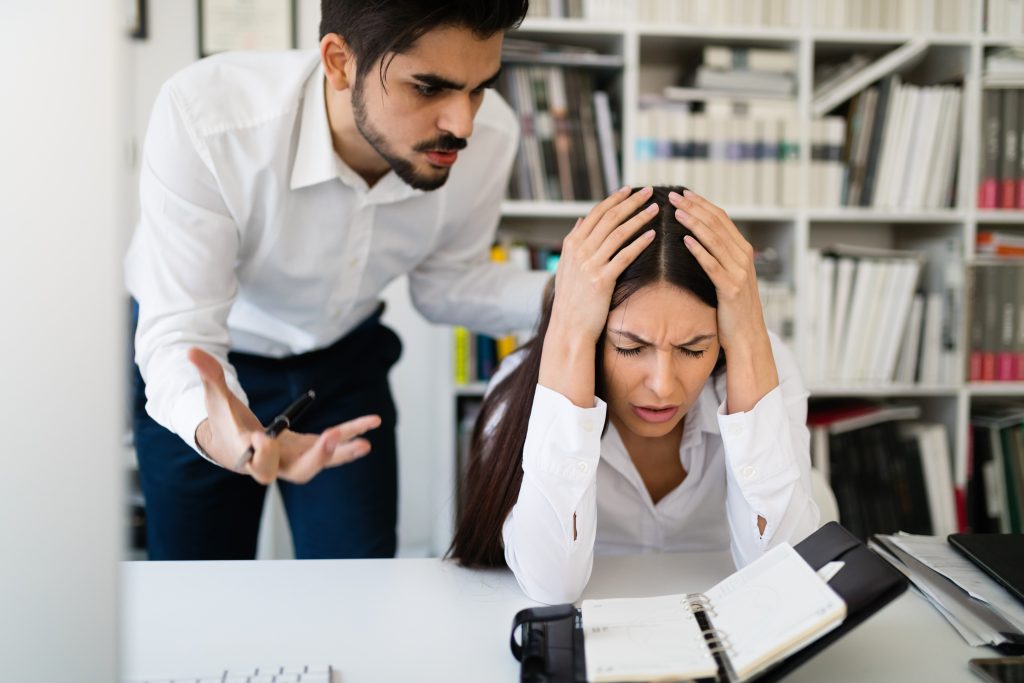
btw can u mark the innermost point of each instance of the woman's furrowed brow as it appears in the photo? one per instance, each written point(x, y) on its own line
point(640, 340)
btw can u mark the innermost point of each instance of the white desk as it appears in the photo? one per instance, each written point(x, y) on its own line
point(427, 620)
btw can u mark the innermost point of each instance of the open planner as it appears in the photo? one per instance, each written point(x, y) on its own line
point(749, 621)
point(760, 622)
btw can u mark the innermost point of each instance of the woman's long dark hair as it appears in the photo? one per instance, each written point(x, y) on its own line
point(495, 470)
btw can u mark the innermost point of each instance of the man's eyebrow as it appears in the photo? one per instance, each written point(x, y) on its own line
point(442, 83)
point(640, 340)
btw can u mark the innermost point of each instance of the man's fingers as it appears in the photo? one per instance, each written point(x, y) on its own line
point(210, 370)
point(348, 451)
point(264, 464)
point(354, 428)
point(335, 446)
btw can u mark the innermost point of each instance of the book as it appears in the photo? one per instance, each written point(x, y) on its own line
point(902, 57)
point(755, 59)
point(989, 164)
point(670, 637)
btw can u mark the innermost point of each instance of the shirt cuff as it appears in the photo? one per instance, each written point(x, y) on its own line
point(527, 291)
point(189, 411)
point(563, 440)
point(751, 440)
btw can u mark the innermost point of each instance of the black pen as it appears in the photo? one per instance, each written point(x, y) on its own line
point(280, 423)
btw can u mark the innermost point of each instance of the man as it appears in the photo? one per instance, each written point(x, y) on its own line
point(280, 193)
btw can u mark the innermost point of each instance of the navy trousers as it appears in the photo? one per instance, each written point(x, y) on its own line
point(196, 510)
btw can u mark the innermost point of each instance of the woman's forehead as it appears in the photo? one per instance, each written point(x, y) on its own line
point(662, 310)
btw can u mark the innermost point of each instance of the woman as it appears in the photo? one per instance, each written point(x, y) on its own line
point(655, 324)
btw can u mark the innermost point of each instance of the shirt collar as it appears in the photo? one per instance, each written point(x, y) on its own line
point(316, 161)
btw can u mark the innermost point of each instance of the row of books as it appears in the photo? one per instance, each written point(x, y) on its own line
point(888, 471)
point(995, 492)
point(996, 294)
point(1004, 17)
point(568, 140)
point(778, 13)
point(1001, 167)
point(881, 316)
point(738, 160)
point(942, 16)
point(902, 146)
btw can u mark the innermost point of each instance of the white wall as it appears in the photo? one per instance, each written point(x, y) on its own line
point(173, 44)
point(62, 172)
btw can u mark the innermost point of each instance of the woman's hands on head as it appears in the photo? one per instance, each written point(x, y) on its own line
point(728, 259)
point(590, 264)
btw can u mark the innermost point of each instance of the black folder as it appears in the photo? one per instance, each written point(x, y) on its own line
point(551, 647)
point(1001, 556)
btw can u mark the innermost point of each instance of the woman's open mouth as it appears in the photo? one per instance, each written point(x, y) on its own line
point(655, 413)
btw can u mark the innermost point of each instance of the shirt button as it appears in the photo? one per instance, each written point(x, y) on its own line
point(749, 471)
point(354, 262)
point(588, 425)
point(735, 429)
point(583, 467)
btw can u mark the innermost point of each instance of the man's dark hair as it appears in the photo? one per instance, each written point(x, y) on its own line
point(378, 28)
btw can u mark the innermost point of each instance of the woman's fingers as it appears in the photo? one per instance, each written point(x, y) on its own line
point(586, 225)
point(620, 235)
point(714, 232)
point(615, 216)
point(721, 247)
point(709, 263)
point(711, 214)
point(621, 261)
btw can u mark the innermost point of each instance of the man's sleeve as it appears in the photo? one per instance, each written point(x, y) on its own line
point(180, 268)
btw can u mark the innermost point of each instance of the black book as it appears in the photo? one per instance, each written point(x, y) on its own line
point(886, 92)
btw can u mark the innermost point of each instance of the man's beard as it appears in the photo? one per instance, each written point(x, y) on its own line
point(402, 167)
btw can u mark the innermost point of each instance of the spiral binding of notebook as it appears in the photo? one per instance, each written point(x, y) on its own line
point(716, 640)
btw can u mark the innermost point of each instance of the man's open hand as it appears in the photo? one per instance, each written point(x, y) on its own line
point(230, 428)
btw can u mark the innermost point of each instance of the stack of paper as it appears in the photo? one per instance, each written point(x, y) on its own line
point(981, 610)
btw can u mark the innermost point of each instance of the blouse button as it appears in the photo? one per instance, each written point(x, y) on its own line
point(582, 467)
point(749, 471)
point(588, 425)
point(735, 429)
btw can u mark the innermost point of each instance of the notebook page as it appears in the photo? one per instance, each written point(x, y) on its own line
point(643, 639)
point(772, 607)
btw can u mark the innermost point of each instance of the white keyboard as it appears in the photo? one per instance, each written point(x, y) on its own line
point(260, 674)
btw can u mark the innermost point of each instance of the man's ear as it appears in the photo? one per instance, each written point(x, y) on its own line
point(338, 60)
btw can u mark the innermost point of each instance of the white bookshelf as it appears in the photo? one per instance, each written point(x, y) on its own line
point(648, 50)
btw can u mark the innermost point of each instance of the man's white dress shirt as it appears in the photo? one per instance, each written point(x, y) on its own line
point(255, 236)
point(738, 466)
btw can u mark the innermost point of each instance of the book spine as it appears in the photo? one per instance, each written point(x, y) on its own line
point(988, 190)
point(977, 326)
point(1019, 94)
point(1008, 167)
point(461, 362)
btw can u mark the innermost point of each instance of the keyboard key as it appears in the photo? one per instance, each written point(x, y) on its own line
point(262, 674)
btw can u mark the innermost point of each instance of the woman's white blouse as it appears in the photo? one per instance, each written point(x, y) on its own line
point(738, 466)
